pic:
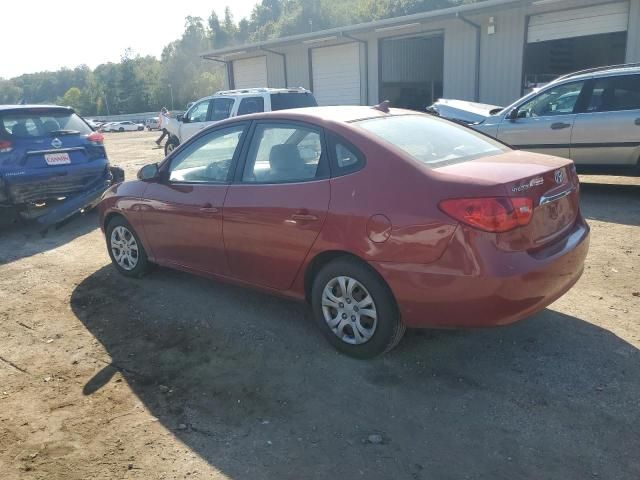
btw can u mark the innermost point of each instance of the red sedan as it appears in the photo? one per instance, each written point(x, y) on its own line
point(381, 219)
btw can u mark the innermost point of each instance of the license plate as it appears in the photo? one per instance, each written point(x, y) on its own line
point(57, 158)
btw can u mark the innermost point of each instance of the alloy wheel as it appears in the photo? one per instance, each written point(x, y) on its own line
point(124, 248)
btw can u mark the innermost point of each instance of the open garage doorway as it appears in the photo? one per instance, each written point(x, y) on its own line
point(411, 70)
point(544, 61)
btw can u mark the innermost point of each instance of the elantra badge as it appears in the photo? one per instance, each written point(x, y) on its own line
point(559, 176)
point(56, 143)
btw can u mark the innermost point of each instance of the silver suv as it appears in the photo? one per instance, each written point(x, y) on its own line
point(231, 103)
point(591, 116)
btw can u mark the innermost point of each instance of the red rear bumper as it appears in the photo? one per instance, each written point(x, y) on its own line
point(496, 288)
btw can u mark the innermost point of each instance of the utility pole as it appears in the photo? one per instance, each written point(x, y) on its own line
point(171, 88)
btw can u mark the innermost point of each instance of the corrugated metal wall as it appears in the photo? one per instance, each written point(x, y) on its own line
point(459, 61)
point(633, 34)
point(297, 66)
point(398, 57)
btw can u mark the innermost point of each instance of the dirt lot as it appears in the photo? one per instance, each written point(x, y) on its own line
point(175, 376)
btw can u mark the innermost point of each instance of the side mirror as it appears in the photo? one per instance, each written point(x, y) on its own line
point(149, 172)
point(513, 114)
point(182, 118)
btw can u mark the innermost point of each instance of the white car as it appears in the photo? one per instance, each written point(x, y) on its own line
point(125, 126)
point(232, 103)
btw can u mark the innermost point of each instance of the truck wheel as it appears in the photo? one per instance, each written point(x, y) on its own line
point(117, 173)
point(171, 145)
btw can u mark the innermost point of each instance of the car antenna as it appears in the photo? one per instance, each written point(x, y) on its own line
point(383, 106)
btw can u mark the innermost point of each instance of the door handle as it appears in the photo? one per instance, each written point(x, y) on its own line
point(637, 122)
point(208, 208)
point(304, 217)
point(559, 125)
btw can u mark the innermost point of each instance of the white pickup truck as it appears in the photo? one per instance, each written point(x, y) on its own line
point(231, 103)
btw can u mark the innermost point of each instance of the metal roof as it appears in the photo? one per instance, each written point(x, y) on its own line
point(472, 8)
point(32, 106)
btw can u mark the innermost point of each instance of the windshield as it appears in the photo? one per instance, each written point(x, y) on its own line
point(41, 123)
point(283, 101)
point(430, 140)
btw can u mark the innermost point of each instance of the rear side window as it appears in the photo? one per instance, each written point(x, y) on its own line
point(345, 157)
point(251, 105)
point(430, 140)
point(27, 124)
point(221, 108)
point(612, 94)
point(283, 101)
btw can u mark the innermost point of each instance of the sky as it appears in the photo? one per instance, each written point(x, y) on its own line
point(44, 35)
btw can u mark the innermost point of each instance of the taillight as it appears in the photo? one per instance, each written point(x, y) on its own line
point(491, 214)
point(5, 146)
point(96, 137)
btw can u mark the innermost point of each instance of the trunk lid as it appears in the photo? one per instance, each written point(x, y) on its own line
point(550, 182)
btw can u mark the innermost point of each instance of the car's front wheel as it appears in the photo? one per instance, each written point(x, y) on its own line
point(121, 129)
point(125, 249)
point(171, 145)
point(355, 309)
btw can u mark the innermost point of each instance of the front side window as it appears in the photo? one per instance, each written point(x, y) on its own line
point(251, 105)
point(221, 109)
point(612, 94)
point(558, 100)
point(199, 112)
point(430, 140)
point(283, 153)
point(208, 159)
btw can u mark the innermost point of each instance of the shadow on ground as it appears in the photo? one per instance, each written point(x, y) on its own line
point(19, 240)
point(260, 395)
point(607, 202)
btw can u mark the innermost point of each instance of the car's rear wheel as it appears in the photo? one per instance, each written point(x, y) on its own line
point(355, 309)
point(121, 129)
point(125, 249)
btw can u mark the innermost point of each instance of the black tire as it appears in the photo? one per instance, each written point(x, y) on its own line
point(171, 145)
point(121, 129)
point(143, 265)
point(117, 173)
point(389, 329)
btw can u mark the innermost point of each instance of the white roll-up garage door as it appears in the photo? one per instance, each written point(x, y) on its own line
point(336, 74)
point(250, 73)
point(579, 22)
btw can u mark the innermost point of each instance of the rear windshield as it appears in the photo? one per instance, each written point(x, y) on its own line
point(29, 123)
point(283, 101)
point(432, 141)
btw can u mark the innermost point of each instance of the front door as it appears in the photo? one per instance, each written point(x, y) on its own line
point(608, 131)
point(544, 123)
point(195, 120)
point(182, 213)
point(275, 211)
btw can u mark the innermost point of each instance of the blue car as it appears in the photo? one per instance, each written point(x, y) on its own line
point(52, 163)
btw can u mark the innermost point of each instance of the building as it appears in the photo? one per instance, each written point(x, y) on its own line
point(491, 51)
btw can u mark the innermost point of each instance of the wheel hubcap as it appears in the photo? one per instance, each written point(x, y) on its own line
point(349, 310)
point(124, 248)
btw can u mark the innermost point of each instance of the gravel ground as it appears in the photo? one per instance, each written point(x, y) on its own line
point(175, 376)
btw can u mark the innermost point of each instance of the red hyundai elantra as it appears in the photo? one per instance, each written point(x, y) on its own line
point(380, 219)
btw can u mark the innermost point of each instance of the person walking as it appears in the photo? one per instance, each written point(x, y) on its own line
point(162, 124)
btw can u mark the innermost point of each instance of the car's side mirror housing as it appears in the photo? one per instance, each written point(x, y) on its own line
point(182, 118)
point(513, 114)
point(149, 173)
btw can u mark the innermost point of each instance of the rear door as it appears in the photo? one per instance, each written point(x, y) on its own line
point(544, 122)
point(182, 213)
point(276, 209)
point(607, 132)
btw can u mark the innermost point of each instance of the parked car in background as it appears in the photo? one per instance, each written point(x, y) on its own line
point(106, 126)
point(232, 103)
point(382, 219)
point(591, 116)
point(52, 164)
point(152, 123)
point(125, 126)
point(93, 124)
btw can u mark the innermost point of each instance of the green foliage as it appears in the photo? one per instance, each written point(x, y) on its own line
point(138, 84)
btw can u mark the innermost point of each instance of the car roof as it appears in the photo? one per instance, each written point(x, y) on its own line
point(252, 92)
point(323, 115)
point(600, 72)
point(33, 106)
